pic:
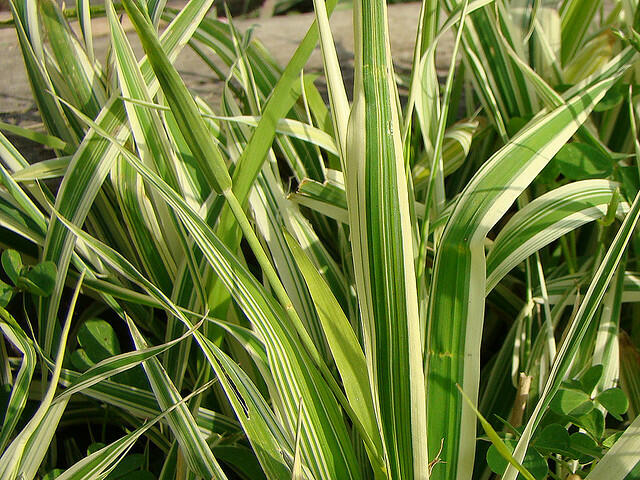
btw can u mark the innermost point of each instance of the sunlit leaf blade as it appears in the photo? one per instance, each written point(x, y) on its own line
point(381, 240)
point(20, 390)
point(576, 331)
point(92, 162)
point(327, 198)
point(142, 403)
point(74, 65)
point(26, 451)
point(279, 103)
point(153, 145)
point(182, 105)
point(606, 349)
point(117, 364)
point(38, 137)
point(271, 210)
point(459, 273)
point(335, 83)
point(335, 351)
point(456, 146)
point(103, 461)
point(271, 444)
point(267, 317)
point(194, 446)
point(83, 9)
point(497, 79)
point(576, 17)
point(9, 155)
point(546, 219)
point(344, 347)
point(496, 440)
point(41, 84)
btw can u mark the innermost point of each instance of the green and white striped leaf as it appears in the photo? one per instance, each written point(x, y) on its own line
point(578, 327)
point(20, 389)
point(22, 458)
point(119, 363)
point(92, 162)
point(271, 444)
point(267, 317)
point(576, 17)
point(75, 68)
point(498, 81)
point(328, 198)
point(20, 197)
point(103, 461)
point(546, 219)
point(459, 273)
point(31, 46)
point(382, 243)
point(606, 350)
point(345, 349)
point(193, 445)
point(35, 136)
point(183, 107)
point(83, 9)
point(456, 145)
point(142, 404)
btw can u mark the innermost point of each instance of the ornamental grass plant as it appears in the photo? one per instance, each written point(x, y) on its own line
point(291, 288)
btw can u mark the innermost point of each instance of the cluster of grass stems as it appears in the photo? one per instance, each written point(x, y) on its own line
point(207, 321)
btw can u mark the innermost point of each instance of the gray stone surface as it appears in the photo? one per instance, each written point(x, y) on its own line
point(280, 35)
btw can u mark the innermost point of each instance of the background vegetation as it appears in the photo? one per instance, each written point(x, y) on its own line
point(442, 285)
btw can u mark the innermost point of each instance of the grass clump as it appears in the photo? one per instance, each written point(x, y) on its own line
point(465, 256)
